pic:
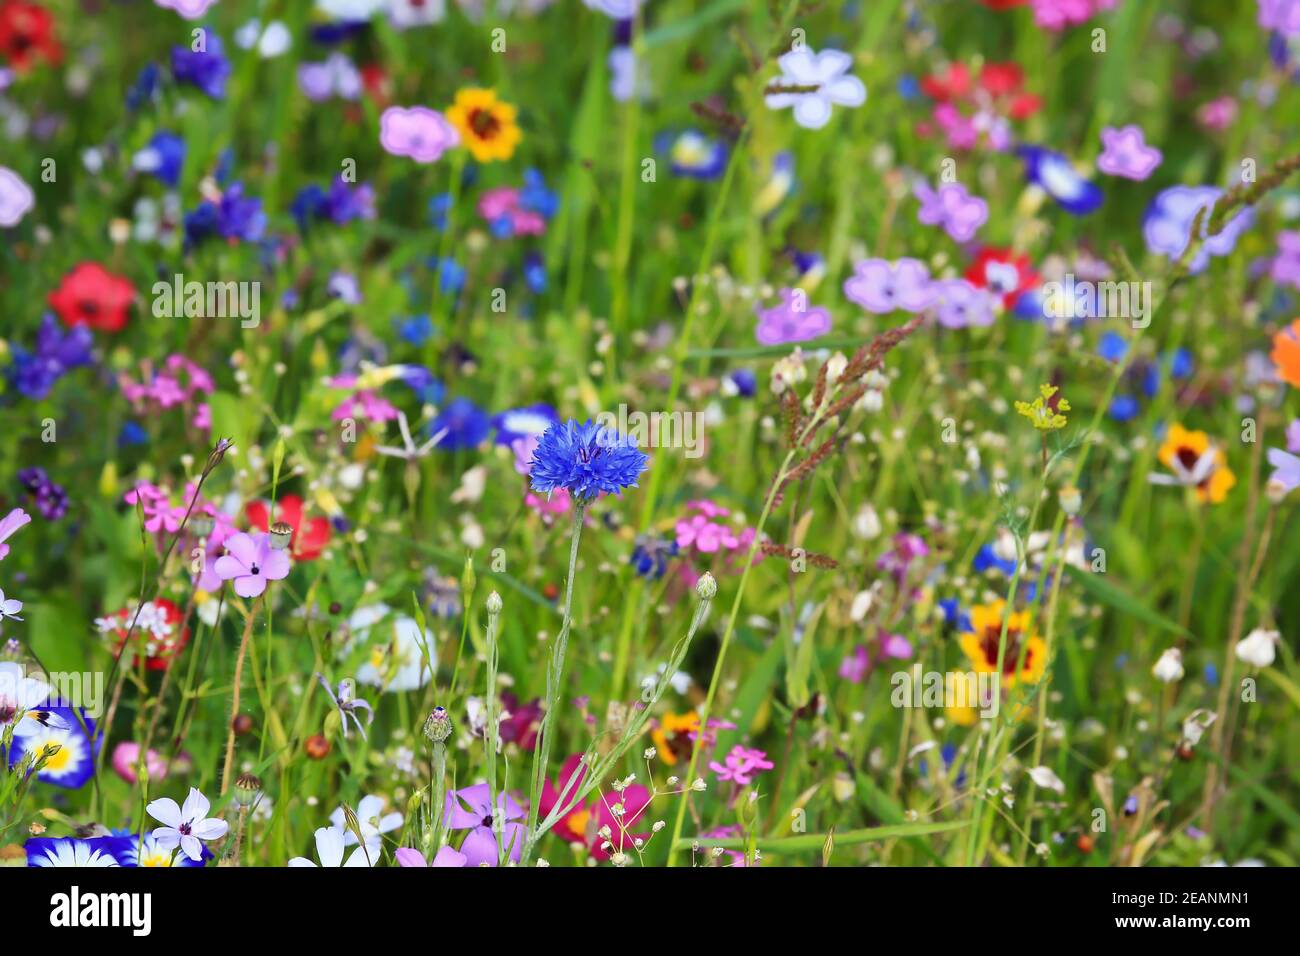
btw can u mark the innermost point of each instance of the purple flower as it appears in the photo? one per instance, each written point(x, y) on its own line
point(208, 69)
point(952, 207)
point(464, 422)
point(418, 132)
point(1167, 226)
point(1292, 445)
point(907, 548)
point(251, 561)
point(10, 524)
point(962, 304)
point(1056, 175)
point(189, 9)
point(1286, 469)
point(1127, 154)
point(1285, 267)
point(792, 320)
point(881, 287)
point(470, 808)
point(447, 856)
point(51, 499)
point(57, 352)
point(336, 76)
point(854, 667)
point(16, 198)
point(163, 157)
point(1282, 16)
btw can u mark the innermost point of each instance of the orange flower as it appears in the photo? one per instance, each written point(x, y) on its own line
point(1286, 353)
point(1195, 463)
point(672, 736)
point(486, 125)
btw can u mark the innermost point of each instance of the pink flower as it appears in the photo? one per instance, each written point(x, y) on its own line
point(367, 406)
point(854, 667)
point(705, 535)
point(251, 562)
point(189, 9)
point(406, 856)
point(557, 503)
point(126, 757)
point(741, 765)
point(1127, 154)
point(8, 525)
point(523, 449)
point(418, 132)
point(1218, 114)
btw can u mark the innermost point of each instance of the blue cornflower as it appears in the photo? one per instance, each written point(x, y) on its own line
point(145, 87)
point(650, 556)
point(207, 69)
point(465, 423)
point(451, 276)
point(1123, 408)
point(235, 216)
point(535, 273)
point(57, 352)
point(439, 206)
point(308, 206)
point(420, 380)
point(744, 382)
point(163, 157)
point(953, 615)
point(535, 197)
point(132, 433)
point(416, 330)
point(1056, 175)
point(586, 459)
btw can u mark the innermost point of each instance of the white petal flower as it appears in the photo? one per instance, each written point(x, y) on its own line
point(1258, 648)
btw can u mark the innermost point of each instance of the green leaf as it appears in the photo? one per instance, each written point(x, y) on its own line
point(1122, 601)
point(816, 842)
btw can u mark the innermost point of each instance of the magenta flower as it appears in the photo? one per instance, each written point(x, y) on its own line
point(470, 808)
point(962, 304)
point(741, 765)
point(251, 561)
point(854, 667)
point(707, 536)
point(9, 524)
point(880, 286)
point(418, 132)
point(952, 207)
point(365, 406)
point(792, 320)
point(1127, 154)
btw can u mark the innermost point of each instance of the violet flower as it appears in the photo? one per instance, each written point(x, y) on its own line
point(882, 287)
point(251, 561)
point(791, 321)
point(417, 132)
point(470, 808)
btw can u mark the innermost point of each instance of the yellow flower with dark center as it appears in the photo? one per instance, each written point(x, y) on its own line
point(980, 644)
point(1195, 463)
point(672, 736)
point(486, 125)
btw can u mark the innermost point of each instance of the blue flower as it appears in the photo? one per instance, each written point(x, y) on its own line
point(145, 87)
point(73, 762)
point(516, 423)
point(1056, 175)
point(163, 157)
point(235, 216)
point(132, 433)
point(1167, 224)
point(422, 382)
point(987, 559)
point(744, 382)
point(67, 851)
point(416, 330)
point(1123, 408)
point(953, 615)
point(1112, 346)
point(57, 352)
point(535, 197)
point(694, 155)
point(439, 206)
point(535, 273)
point(586, 459)
point(466, 425)
point(450, 275)
point(649, 558)
point(207, 69)
point(143, 850)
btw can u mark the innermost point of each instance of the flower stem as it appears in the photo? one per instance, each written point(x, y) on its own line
point(234, 695)
point(554, 677)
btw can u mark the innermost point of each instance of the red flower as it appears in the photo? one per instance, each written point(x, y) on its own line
point(91, 295)
point(1003, 4)
point(309, 536)
point(1002, 273)
point(955, 84)
point(583, 824)
point(158, 632)
point(27, 35)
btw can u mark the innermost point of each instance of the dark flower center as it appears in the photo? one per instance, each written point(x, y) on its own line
point(989, 646)
point(8, 709)
point(255, 570)
point(484, 123)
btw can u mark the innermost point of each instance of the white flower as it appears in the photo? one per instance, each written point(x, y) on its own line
point(374, 823)
point(1170, 666)
point(329, 850)
point(1257, 648)
point(826, 76)
point(21, 699)
point(404, 14)
point(1045, 778)
point(349, 9)
point(186, 826)
point(396, 660)
point(1196, 723)
point(10, 608)
point(271, 42)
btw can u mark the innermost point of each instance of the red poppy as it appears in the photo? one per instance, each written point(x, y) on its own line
point(158, 632)
point(1002, 273)
point(91, 295)
point(309, 535)
point(27, 35)
point(1003, 4)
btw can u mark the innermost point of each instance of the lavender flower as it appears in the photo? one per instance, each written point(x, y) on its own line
point(1167, 226)
point(882, 287)
point(418, 132)
point(962, 304)
point(952, 207)
point(251, 562)
point(791, 321)
point(1127, 154)
point(16, 198)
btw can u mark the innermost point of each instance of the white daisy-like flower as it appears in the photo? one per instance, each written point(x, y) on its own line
point(187, 825)
point(812, 82)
